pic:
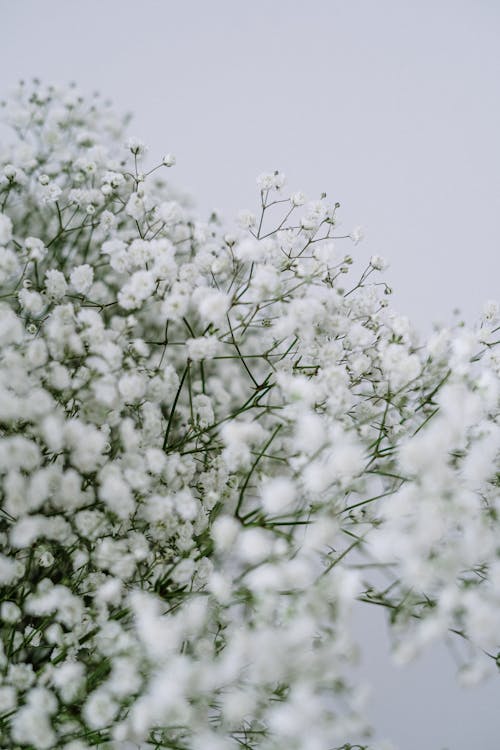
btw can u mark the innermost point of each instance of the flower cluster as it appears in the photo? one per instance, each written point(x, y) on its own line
point(212, 443)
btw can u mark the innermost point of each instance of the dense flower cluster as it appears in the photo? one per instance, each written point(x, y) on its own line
point(212, 444)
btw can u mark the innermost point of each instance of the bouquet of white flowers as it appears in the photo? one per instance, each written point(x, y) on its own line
point(213, 443)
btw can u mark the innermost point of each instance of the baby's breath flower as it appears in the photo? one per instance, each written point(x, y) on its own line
point(5, 229)
point(81, 278)
point(31, 302)
point(357, 235)
point(378, 262)
point(55, 284)
point(246, 219)
point(189, 492)
point(35, 248)
point(201, 348)
point(298, 198)
point(136, 146)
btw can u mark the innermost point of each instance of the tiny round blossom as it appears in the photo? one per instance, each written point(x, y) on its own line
point(298, 198)
point(10, 612)
point(491, 310)
point(132, 387)
point(170, 212)
point(212, 305)
point(31, 302)
point(378, 262)
point(135, 206)
point(357, 235)
point(278, 495)
point(100, 709)
point(55, 284)
point(82, 278)
point(140, 286)
point(201, 348)
point(136, 146)
point(246, 219)
point(5, 229)
point(35, 247)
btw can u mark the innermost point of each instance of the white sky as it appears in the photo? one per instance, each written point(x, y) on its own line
point(392, 107)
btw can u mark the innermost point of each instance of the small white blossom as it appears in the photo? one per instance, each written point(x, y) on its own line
point(31, 302)
point(298, 198)
point(246, 219)
point(278, 495)
point(136, 146)
point(212, 305)
point(378, 262)
point(140, 286)
point(202, 348)
point(5, 229)
point(10, 612)
point(35, 247)
point(357, 235)
point(81, 278)
point(171, 212)
point(55, 284)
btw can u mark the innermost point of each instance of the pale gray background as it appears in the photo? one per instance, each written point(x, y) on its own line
point(390, 106)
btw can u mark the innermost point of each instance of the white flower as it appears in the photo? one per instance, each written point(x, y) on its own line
point(100, 709)
point(298, 198)
point(50, 193)
point(378, 262)
point(136, 146)
point(116, 494)
point(254, 546)
point(212, 305)
point(68, 678)
point(8, 698)
point(270, 180)
point(81, 278)
point(170, 212)
point(11, 329)
point(176, 303)
point(246, 219)
point(357, 235)
point(491, 310)
point(278, 495)
point(55, 284)
point(203, 409)
point(31, 302)
point(140, 286)
point(10, 612)
point(266, 281)
point(36, 248)
point(132, 387)
point(400, 366)
point(224, 532)
point(5, 229)
point(31, 726)
point(315, 214)
point(248, 250)
point(10, 570)
point(9, 264)
point(265, 181)
point(111, 247)
point(135, 206)
point(204, 347)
